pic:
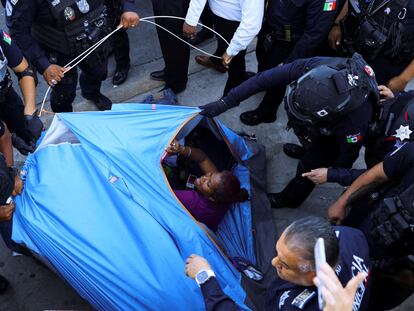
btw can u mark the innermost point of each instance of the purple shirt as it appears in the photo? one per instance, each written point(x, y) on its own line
point(201, 208)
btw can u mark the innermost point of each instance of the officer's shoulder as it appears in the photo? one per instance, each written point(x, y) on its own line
point(298, 298)
point(344, 233)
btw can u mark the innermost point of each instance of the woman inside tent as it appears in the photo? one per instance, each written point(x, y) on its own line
point(214, 191)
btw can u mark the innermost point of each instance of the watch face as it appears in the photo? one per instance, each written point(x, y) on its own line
point(202, 277)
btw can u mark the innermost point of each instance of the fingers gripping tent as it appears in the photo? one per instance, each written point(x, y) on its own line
point(97, 207)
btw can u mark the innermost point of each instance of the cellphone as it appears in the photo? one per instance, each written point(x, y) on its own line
point(190, 181)
point(320, 258)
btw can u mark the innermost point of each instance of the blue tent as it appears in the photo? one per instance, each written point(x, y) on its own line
point(97, 207)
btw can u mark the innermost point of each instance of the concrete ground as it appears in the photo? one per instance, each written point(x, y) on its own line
point(34, 287)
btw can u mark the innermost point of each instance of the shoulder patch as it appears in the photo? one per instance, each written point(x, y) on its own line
point(283, 298)
point(353, 139)
point(6, 38)
point(329, 5)
point(303, 298)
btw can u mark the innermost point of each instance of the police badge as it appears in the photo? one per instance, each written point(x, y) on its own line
point(69, 13)
point(83, 6)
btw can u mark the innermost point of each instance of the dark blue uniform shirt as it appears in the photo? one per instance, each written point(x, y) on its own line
point(285, 296)
point(10, 50)
point(399, 166)
point(348, 133)
point(20, 16)
point(307, 22)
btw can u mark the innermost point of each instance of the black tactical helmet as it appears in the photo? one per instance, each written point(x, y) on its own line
point(330, 91)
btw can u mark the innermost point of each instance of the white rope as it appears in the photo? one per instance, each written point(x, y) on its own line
point(88, 51)
point(145, 19)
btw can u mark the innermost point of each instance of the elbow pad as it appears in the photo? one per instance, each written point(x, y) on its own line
point(27, 72)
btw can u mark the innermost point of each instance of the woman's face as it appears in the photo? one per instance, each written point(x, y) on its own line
point(207, 184)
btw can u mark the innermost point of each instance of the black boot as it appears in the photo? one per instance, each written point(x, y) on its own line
point(294, 151)
point(255, 117)
point(4, 284)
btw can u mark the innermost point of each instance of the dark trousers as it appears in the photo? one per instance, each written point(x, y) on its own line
point(120, 46)
point(269, 57)
point(175, 53)
point(237, 68)
point(93, 72)
point(319, 154)
point(12, 113)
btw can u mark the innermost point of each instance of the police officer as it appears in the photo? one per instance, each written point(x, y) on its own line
point(20, 118)
point(346, 251)
point(386, 218)
point(383, 32)
point(119, 43)
point(384, 137)
point(51, 33)
point(329, 102)
point(293, 29)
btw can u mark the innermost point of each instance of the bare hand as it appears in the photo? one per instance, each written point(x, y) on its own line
point(385, 93)
point(397, 84)
point(189, 31)
point(337, 212)
point(18, 185)
point(226, 60)
point(129, 19)
point(335, 37)
point(6, 211)
point(53, 74)
point(317, 176)
point(336, 297)
point(195, 264)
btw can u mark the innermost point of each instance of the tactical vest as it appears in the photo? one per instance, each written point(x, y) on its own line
point(393, 221)
point(376, 28)
point(80, 24)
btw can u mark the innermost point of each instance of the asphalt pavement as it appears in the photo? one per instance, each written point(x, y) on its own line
point(34, 287)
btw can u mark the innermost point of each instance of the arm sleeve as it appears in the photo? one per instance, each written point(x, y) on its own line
point(279, 76)
point(195, 9)
point(11, 51)
point(343, 176)
point(250, 24)
point(214, 297)
point(19, 23)
point(318, 25)
point(129, 6)
point(398, 163)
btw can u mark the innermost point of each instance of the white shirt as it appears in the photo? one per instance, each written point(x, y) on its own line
point(248, 12)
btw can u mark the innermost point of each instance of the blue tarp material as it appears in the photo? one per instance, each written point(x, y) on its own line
point(98, 207)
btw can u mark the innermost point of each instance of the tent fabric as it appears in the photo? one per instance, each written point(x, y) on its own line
point(97, 206)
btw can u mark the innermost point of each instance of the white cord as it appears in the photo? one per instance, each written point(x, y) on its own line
point(88, 51)
point(145, 19)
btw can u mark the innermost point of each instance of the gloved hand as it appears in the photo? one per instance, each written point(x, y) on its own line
point(23, 147)
point(34, 125)
point(215, 108)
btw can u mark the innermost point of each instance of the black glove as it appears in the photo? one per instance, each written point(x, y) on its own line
point(23, 147)
point(34, 125)
point(215, 108)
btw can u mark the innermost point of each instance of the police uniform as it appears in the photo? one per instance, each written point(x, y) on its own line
point(388, 228)
point(174, 52)
point(340, 142)
point(293, 29)
point(285, 296)
point(389, 35)
point(11, 105)
point(56, 31)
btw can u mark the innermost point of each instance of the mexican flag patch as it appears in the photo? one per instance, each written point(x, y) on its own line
point(329, 5)
point(6, 37)
point(353, 139)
